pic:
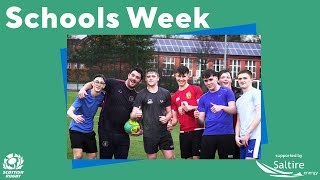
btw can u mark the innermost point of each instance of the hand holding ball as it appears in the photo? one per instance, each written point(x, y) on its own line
point(131, 126)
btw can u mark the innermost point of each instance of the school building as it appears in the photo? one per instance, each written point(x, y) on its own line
point(199, 55)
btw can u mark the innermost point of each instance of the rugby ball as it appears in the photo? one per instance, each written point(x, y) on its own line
point(131, 126)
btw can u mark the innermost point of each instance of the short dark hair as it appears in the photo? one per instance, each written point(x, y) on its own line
point(209, 72)
point(139, 70)
point(246, 72)
point(100, 75)
point(182, 70)
point(222, 72)
point(152, 70)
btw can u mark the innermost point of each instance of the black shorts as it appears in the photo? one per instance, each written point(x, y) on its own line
point(152, 145)
point(190, 143)
point(224, 144)
point(85, 141)
point(236, 151)
point(113, 145)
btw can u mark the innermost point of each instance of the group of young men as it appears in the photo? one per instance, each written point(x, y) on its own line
point(225, 118)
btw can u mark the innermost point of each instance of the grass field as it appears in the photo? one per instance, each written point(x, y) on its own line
point(136, 146)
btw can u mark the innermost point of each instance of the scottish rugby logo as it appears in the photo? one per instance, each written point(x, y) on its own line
point(277, 173)
point(12, 165)
point(13, 162)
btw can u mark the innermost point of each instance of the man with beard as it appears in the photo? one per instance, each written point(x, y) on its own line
point(114, 142)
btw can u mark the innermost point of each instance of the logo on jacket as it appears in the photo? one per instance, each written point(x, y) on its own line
point(149, 101)
point(188, 95)
point(131, 98)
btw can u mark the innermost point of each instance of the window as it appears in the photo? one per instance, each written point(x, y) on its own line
point(196, 79)
point(168, 66)
point(198, 69)
point(81, 66)
point(251, 66)
point(234, 68)
point(75, 65)
point(188, 63)
point(69, 66)
point(218, 65)
point(153, 62)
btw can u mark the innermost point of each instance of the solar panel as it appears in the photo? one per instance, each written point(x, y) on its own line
point(190, 43)
point(247, 46)
point(179, 42)
point(211, 47)
point(176, 49)
point(174, 43)
point(185, 43)
point(231, 45)
point(194, 50)
point(167, 42)
point(239, 52)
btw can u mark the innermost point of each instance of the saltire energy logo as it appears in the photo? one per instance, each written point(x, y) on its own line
point(277, 173)
point(287, 166)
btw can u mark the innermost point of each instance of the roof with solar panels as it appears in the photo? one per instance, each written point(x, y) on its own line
point(210, 47)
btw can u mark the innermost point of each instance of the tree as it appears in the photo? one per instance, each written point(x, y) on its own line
point(208, 50)
point(252, 38)
point(113, 55)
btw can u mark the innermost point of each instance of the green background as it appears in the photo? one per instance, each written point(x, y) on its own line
point(33, 109)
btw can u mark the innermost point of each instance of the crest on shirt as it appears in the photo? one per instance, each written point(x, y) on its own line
point(149, 101)
point(131, 98)
point(177, 99)
point(188, 95)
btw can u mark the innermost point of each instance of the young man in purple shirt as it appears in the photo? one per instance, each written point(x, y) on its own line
point(215, 110)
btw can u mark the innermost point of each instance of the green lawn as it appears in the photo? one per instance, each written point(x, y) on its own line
point(136, 147)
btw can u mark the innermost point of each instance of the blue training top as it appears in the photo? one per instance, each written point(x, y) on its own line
point(87, 107)
point(218, 123)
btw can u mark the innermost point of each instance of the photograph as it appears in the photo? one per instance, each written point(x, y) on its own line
point(164, 97)
point(101, 88)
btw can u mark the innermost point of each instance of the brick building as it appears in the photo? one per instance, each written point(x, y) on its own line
point(197, 56)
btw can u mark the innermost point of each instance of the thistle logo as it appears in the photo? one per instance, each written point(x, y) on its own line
point(11, 163)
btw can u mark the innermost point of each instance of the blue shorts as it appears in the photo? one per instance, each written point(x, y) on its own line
point(252, 151)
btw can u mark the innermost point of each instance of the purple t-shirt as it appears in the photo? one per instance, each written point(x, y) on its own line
point(218, 123)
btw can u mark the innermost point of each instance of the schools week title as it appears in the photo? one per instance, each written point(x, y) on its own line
point(103, 19)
